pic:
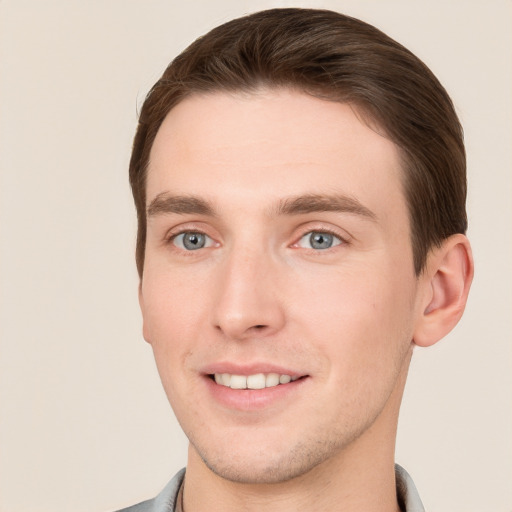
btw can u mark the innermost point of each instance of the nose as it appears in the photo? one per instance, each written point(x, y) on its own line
point(249, 299)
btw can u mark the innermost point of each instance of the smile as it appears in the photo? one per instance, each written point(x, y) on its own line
point(256, 381)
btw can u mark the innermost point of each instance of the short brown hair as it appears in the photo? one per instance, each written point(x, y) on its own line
point(339, 58)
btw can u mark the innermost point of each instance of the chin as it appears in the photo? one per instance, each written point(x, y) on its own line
point(265, 467)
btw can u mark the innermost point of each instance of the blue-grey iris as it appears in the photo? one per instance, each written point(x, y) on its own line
point(193, 241)
point(321, 240)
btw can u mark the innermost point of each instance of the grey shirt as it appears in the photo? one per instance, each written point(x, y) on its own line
point(166, 501)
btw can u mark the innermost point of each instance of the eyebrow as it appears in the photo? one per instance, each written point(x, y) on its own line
point(165, 203)
point(311, 203)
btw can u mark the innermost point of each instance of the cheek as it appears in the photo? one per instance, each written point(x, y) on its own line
point(170, 324)
point(362, 318)
point(172, 301)
point(362, 334)
point(172, 317)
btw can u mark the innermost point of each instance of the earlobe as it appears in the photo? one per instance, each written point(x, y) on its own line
point(447, 279)
point(145, 329)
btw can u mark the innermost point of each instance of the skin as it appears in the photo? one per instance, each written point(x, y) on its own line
point(258, 296)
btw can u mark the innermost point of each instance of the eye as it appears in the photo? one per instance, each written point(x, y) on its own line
point(319, 240)
point(192, 241)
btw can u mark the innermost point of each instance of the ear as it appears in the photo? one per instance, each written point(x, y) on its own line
point(145, 328)
point(446, 280)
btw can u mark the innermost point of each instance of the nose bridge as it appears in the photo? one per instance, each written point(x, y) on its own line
point(248, 300)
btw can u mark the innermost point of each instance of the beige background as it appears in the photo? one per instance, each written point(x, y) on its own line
point(84, 424)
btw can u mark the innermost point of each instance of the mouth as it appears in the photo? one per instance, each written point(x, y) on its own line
point(253, 388)
point(255, 381)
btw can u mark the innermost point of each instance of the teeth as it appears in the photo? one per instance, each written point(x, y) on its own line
point(272, 380)
point(257, 381)
point(238, 382)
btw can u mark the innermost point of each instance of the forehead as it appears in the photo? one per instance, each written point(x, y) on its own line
point(269, 144)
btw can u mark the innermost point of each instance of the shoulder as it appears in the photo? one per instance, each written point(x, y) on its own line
point(164, 502)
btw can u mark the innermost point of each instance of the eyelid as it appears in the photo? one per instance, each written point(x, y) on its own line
point(316, 228)
point(187, 227)
point(192, 227)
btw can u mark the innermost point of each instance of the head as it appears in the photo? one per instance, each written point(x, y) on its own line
point(340, 59)
point(299, 181)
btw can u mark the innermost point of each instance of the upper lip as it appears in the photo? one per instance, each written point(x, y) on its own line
point(249, 369)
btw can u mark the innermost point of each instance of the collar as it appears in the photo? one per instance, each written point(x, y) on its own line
point(407, 494)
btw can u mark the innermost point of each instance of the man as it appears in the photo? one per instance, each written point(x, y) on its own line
point(300, 185)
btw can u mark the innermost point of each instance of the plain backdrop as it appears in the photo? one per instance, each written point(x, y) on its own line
point(84, 423)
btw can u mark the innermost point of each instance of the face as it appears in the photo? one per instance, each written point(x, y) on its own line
point(278, 292)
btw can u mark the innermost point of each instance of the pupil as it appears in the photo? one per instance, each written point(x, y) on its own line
point(320, 240)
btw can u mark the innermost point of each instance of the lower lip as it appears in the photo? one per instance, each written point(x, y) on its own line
point(252, 399)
